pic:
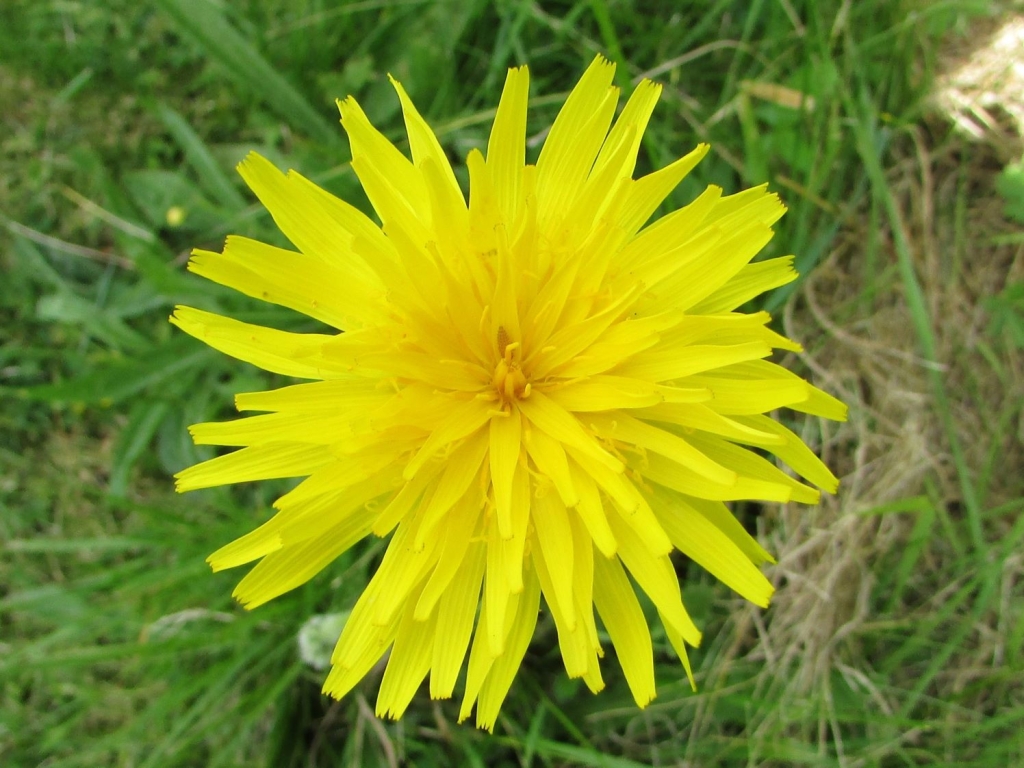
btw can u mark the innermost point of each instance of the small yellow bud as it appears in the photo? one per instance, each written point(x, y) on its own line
point(175, 216)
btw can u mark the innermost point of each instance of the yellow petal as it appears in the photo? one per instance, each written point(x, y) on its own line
point(618, 342)
point(407, 498)
point(658, 365)
point(624, 619)
point(675, 639)
point(701, 541)
point(547, 306)
point(341, 473)
point(629, 130)
point(630, 503)
point(462, 527)
point(499, 599)
point(646, 194)
point(620, 426)
point(251, 546)
point(506, 438)
point(422, 140)
point(755, 204)
point(263, 462)
point(481, 656)
point(679, 478)
point(574, 338)
point(752, 280)
point(462, 468)
point(312, 428)
point(352, 229)
point(561, 425)
point(308, 217)
point(290, 567)
point(455, 615)
point(314, 516)
point(549, 456)
point(760, 372)
point(656, 248)
point(361, 644)
point(410, 660)
point(698, 416)
point(348, 395)
point(583, 588)
point(573, 641)
point(751, 465)
point(505, 327)
point(656, 576)
point(503, 670)
point(725, 521)
point(513, 548)
point(463, 420)
point(290, 279)
point(401, 570)
point(447, 207)
point(591, 510)
point(737, 396)
point(605, 393)
point(822, 404)
point(377, 161)
point(700, 277)
point(506, 148)
point(290, 354)
point(554, 536)
point(600, 194)
point(575, 139)
point(795, 452)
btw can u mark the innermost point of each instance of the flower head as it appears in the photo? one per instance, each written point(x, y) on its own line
point(532, 393)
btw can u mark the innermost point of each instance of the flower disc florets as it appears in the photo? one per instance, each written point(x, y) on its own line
point(509, 382)
point(533, 393)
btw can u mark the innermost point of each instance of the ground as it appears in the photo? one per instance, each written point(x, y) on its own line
point(892, 130)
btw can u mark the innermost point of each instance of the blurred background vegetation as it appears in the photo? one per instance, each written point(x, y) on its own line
point(896, 637)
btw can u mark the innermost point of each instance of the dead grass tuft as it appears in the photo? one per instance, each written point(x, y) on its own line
point(832, 558)
point(982, 87)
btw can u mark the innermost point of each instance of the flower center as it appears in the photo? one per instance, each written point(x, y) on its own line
point(508, 380)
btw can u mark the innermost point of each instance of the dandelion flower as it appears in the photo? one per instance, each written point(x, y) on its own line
point(533, 394)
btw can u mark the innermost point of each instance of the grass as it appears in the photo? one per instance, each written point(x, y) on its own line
point(896, 636)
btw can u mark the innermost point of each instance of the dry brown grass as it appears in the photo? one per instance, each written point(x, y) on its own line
point(833, 558)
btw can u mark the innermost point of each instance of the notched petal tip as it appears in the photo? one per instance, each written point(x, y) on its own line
point(763, 601)
point(246, 602)
point(252, 159)
point(647, 84)
point(642, 703)
point(600, 60)
point(348, 107)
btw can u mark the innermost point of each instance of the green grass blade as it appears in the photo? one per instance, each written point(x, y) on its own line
point(207, 26)
point(920, 317)
point(211, 176)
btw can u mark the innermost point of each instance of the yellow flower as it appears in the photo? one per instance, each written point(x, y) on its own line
point(533, 394)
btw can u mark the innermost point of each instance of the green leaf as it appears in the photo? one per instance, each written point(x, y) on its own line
point(1010, 184)
point(169, 200)
point(136, 436)
point(66, 307)
point(1006, 314)
point(122, 378)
